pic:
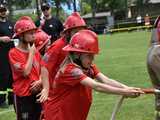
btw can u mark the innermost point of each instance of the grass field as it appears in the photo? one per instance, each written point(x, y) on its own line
point(122, 57)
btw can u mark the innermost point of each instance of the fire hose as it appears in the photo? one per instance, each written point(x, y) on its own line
point(120, 100)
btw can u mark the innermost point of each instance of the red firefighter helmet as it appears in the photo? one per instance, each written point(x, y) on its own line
point(41, 39)
point(74, 21)
point(24, 24)
point(84, 41)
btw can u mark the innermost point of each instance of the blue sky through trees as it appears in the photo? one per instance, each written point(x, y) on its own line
point(68, 8)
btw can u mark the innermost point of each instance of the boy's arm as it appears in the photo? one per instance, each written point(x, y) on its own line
point(45, 83)
point(5, 39)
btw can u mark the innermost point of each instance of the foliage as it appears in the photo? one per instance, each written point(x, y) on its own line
point(140, 4)
point(20, 3)
point(23, 3)
point(16, 17)
point(85, 8)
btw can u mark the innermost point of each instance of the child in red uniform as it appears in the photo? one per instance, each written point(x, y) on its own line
point(26, 67)
point(74, 82)
point(55, 55)
point(42, 41)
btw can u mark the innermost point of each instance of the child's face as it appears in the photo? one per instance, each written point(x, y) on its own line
point(87, 60)
point(29, 36)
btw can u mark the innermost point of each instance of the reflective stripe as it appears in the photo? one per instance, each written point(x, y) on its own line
point(3, 92)
point(9, 90)
point(6, 92)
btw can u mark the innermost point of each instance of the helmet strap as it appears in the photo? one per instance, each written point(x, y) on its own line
point(68, 36)
point(42, 51)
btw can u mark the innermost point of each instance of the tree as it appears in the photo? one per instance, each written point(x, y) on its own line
point(19, 4)
point(74, 5)
point(38, 9)
point(105, 5)
point(85, 7)
point(71, 3)
point(140, 4)
point(58, 5)
point(93, 4)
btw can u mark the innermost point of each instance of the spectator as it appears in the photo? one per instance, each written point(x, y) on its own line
point(6, 32)
point(139, 20)
point(147, 20)
point(51, 25)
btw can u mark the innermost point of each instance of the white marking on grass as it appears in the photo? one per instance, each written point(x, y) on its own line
point(6, 111)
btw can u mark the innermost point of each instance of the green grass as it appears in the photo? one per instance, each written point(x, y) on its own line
point(123, 58)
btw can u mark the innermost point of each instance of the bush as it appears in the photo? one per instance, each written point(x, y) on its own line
point(16, 17)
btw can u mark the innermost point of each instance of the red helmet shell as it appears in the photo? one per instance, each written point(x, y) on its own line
point(84, 41)
point(74, 21)
point(42, 39)
point(24, 24)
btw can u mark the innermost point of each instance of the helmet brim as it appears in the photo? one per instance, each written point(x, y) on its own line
point(17, 34)
point(72, 28)
point(40, 47)
point(69, 48)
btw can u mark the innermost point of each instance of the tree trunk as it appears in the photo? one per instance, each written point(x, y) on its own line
point(10, 16)
point(126, 9)
point(57, 9)
point(93, 5)
point(74, 5)
point(81, 6)
point(38, 9)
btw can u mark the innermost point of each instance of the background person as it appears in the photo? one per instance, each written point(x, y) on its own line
point(51, 25)
point(6, 32)
point(147, 20)
point(139, 20)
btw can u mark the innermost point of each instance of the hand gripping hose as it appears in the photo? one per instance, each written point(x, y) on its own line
point(120, 101)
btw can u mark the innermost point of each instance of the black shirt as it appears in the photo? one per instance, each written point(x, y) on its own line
point(6, 29)
point(53, 27)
